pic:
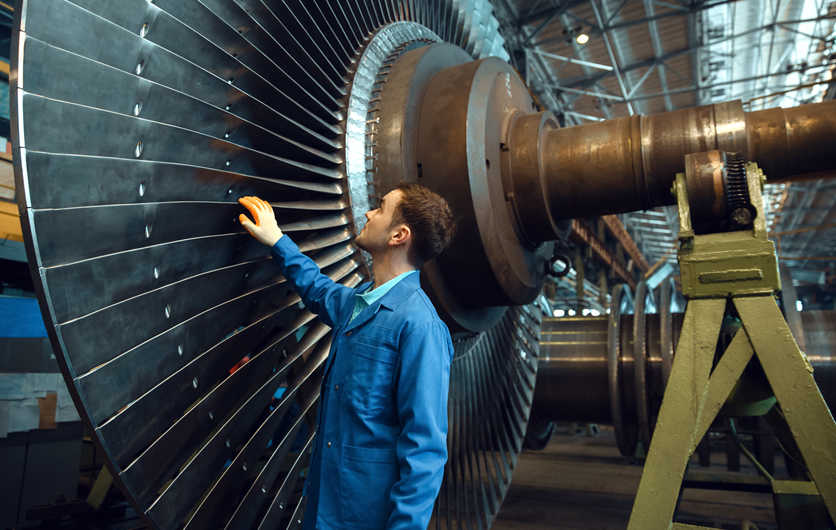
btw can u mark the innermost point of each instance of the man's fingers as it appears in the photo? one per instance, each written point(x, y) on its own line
point(246, 223)
point(252, 206)
point(265, 205)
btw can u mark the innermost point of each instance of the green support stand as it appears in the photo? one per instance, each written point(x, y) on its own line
point(739, 268)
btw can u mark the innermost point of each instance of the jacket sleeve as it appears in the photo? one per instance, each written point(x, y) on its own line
point(422, 385)
point(319, 293)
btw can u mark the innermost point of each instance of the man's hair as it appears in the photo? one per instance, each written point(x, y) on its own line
point(428, 217)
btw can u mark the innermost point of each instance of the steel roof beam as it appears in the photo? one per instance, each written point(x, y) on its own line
point(608, 46)
point(657, 51)
point(651, 62)
point(555, 13)
point(715, 85)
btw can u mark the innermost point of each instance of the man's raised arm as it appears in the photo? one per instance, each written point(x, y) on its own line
point(319, 293)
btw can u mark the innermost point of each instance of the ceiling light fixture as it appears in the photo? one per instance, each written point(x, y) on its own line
point(583, 38)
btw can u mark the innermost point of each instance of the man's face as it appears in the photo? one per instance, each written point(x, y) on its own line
point(375, 236)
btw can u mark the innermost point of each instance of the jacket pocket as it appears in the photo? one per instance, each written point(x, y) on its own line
point(367, 477)
point(368, 385)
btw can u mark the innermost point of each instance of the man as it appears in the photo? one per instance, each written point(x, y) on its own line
point(382, 424)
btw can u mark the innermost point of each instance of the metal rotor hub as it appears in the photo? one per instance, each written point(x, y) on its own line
point(447, 122)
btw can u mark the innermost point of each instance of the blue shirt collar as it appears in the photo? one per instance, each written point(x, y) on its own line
point(373, 295)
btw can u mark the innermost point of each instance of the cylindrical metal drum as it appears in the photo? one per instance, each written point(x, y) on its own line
point(820, 337)
point(572, 380)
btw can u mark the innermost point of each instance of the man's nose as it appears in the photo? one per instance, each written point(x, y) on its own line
point(369, 215)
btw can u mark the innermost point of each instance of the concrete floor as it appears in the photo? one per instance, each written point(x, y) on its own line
point(583, 483)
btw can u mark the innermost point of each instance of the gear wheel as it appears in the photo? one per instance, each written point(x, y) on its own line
point(741, 213)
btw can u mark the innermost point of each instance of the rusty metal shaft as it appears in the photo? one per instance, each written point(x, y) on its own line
point(628, 164)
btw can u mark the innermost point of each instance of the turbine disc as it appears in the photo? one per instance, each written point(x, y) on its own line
point(138, 126)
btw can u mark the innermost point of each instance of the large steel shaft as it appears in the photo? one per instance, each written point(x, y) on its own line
point(628, 164)
point(470, 130)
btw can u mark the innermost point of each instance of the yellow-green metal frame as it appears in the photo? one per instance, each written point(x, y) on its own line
point(741, 268)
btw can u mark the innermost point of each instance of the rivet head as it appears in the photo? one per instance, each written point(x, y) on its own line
point(211, 415)
point(281, 506)
point(168, 311)
point(228, 443)
point(142, 188)
point(156, 272)
point(140, 66)
point(137, 107)
point(194, 382)
point(138, 149)
point(179, 349)
point(263, 489)
point(148, 228)
point(143, 31)
point(244, 466)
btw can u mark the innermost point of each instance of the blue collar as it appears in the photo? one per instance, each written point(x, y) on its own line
point(373, 295)
point(397, 289)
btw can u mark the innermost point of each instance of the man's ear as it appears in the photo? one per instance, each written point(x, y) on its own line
point(400, 235)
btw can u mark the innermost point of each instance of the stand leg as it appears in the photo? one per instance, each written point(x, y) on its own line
point(677, 427)
point(791, 377)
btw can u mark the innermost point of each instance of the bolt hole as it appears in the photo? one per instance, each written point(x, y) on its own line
point(226, 134)
point(229, 191)
point(137, 107)
point(228, 107)
point(230, 80)
point(140, 66)
point(228, 162)
point(138, 150)
point(168, 311)
point(235, 55)
point(488, 164)
point(194, 382)
point(142, 188)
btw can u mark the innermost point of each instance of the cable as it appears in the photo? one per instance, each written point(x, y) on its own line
point(746, 453)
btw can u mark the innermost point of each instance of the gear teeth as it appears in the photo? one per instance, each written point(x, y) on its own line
point(734, 177)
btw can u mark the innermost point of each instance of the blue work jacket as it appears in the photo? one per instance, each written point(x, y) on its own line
point(381, 441)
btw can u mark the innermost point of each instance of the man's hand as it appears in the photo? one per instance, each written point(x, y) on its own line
point(265, 228)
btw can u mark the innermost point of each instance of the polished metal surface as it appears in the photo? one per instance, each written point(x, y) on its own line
point(137, 127)
point(590, 366)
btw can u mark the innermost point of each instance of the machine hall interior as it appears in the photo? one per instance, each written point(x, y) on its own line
point(640, 293)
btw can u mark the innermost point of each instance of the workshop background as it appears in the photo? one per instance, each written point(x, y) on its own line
point(586, 61)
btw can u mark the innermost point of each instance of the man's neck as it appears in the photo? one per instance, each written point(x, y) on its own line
point(389, 266)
